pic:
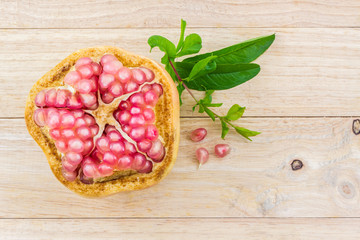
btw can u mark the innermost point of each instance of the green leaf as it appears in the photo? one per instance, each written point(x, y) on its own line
point(210, 113)
point(182, 33)
point(235, 112)
point(163, 44)
point(171, 72)
point(224, 129)
point(202, 68)
point(180, 89)
point(244, 52)
point(191, 45)
point(246, 133)
point(224, 77)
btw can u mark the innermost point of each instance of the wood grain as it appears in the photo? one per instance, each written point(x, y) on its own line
point(204, 13)
point(307, 72)
point(230, 229)
point(255, 180)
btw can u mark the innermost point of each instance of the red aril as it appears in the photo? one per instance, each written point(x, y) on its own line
point(198, 134)
point(202, 155)
point(221, 150)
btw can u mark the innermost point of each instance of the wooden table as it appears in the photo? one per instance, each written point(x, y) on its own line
point(303, 101)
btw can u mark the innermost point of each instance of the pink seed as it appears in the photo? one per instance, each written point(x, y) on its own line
point(157, 151)
point(55, 133)
point(130, 148)
point(84, 133)
point(144, 145)
point(124, 75)
point(94, 83)
point(74, 158)
point(124, 117)
point(137, 120)
point(118, 148)
point(93, 107)
point(138, 162)
point(124, 105)
point(88, 146)
point(88, 99)
point(40, 117)
point(107, 97)
point(68, 166)
point(61, 146)
point(149, 74)
point(50, 97)
point(112, 67)
point(90, 170)
point(85, 71)
point(198, 134)
point(105, 80)
point(126, 129)
point(78, 113)
point(149, 115)
point(116, 89)
point(63, 111)
point(94, 130)
point(125, 162)
point(221, 150)
point(62, 97)
point(96, 68)
point(90, 120)
point(105, 170)
point(158, 89)
point(76, 145)
point(107, 58)
point(152, 133)
point(202, 155)
point(67, 133)
point(40, 99)
point(139, 76)
point(135, 110)
point(67, 120)
point(74, 102)
point(137, 99)
point(83, 86)
point(131, 87)
point(109, 128)
point(146, 88)
point(109, 158)
point(72, 77)
point(82, 61)
point(151, 98)
point(53, 120)
point(114, 136)
point(103, 144)
point(79, 122)
point(137, 133)
point(69, 176)
point(147, 167)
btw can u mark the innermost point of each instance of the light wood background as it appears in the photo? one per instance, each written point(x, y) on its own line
point(303, 101)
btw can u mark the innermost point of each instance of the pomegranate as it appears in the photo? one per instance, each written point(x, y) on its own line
point(100, 118)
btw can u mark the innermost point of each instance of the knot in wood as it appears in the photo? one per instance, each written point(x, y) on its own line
point(296, 165)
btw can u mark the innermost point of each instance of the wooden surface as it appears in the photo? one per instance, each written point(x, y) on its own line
point(303, 101)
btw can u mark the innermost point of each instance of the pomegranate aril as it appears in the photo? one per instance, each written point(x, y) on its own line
point(107, 58)
point(50, 97)
point(151, 98)
point(72, 77)
point(55, 133)
point(137, 120)
point(83, 61)
point(74, 102)
point(112, 67)
point(105, 170)
point(78, 113)
point(144, 145)
point(103, 144)
point(69, 176)
point(61, 146)
point(94, 130)
point(114, 136)
point(157, 151)
point(84, 133)
point(118, 148)
point(67, 120)
point(90, 170)
point(198, 134)
point(85, 71)
point(138, 76)
point(88, 99)
point(68, 166)
point(107, 97)
point(131, 87)
point(221, 150)
point(124, 75)
point(79, 122)
point(135, 110)
point(126, 129)
point(124, 162)
point(76, 145)
point(96, 68)
point(137, 133)
point(148, 73)
point(116, 89)
point(124, 105)
point(202, 155)
point(123, 117)
point(152, 133)
point(147, 167)
point(105, 80)
point(109, 128)
point(149, 115)
point(89, 119)
point(138, 162)
point(129, 148)
point(40, 99)
point(94, 84)
point(67, 133)
point(53, 120)
point(146, 88)
point(40, 117)
point(88, 147)
point(74, 158)
point(109, 158)
point(158, 89)
point(62, 97)
point(84, 86)
point(137, 99)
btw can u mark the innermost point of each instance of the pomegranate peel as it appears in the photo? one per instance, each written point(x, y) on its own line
point(167, 121)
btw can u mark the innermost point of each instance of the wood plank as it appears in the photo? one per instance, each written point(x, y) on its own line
point(255, 180)
point(307, 72)
point(251, 229)
point(205, 13)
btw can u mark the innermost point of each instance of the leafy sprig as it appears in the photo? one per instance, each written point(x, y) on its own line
point(218, 70)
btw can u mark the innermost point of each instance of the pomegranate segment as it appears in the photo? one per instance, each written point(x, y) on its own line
point(73, 130)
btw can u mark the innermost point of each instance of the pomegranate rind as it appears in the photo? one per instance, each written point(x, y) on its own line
point(167, 122)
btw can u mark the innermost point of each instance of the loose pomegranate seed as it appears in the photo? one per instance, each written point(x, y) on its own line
point(221, 150)
point(202, 155)
point(198, 134)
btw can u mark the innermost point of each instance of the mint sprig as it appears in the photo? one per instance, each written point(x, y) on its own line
point(218, 70)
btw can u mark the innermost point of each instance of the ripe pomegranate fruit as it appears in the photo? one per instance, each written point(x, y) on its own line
point(100, 117)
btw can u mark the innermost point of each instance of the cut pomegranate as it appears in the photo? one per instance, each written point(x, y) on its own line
point(101, 118)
